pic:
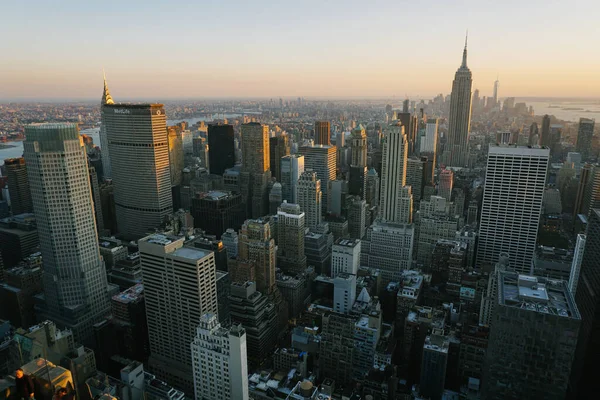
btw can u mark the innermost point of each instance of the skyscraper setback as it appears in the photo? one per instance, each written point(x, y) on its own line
point(75, 287)
point(139, 158)
point(456, 153)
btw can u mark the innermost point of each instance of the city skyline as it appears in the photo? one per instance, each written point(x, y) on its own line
point(315, 57)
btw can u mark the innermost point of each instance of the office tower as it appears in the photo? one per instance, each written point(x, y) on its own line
point(344, 292)
point(590, 188)
point(255, 175)
point(176, 160)
point(405, 104)
point(230, 241)
point(429, 141)
point(317, 247)
point(221, 150)
point(275, 198)
point(357, 215)
point(433, 366)
point(358, 140)
point(216, 211)
point(389, 248)
point(18, 186)
point(540, 312)
point(496, 86)
point(223, 292)
point(292, 166)
point(545, 139)
point(430, 229)
point(257, 249)
point(323, 133)
point(588, 302)
point(94, 185)
point(290, 239)
point(128, 309)
point(200, 150)
point(279, 146)
point(584, 137)
point(256, 313)
point(106, 100)
point(340, 139)
point(446, 184)
point(220, 361)
point(394, 194)
point(310, 198)
point(415, 177)
point(456, 153)
point(372, 188)
point(576, 263)
point(18, 238)
point(472, 213)
point(509, 215)
point(321, 159)
point(534, 137)
point(345, 257)
point(139, 159)
point(75, 288)
point(179, 286)
point(17, 294)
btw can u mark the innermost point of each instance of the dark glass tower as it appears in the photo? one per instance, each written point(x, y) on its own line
point(221, 151)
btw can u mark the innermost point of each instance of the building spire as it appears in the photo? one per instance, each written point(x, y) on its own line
point(464, 60)
point(106, 97)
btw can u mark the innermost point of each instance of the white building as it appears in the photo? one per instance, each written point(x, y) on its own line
point(429, 141)
point(179, 287)
point(322, 160)
point(75, 285)
point(512, 204)
point(345, 256)
point(576, 265)
point(344, 292)
point(292, 167)
point(310, 196)
point(220, 361)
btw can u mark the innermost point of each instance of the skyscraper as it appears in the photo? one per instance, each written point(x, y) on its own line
point(310, 198)
point(323, 133)
point(75, 287)
point(456, 153)
point(255, 175)
point(179, 286)
point(512, 204)
point(534, 137)
point(446, 184)
point(139, 158)
point(106, 99)
point(345, 256)
point(358, 164)
point(18, 186)
point(290, 239)
point(292, 166)
point(257, 250)
point(221, 149)
point(496, 87)
point(429, 141)
point(321, 159)
point(279, 146)
point(220, 361)
point(584, 137)
point(415, 177)
point(176, 160)
point(395, 196)
point(545, 139)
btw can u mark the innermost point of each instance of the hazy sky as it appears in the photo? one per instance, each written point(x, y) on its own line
point(266, 48)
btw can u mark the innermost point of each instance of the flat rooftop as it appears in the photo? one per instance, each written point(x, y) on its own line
point(347, 242)
point(130, 295)
point(190, 254)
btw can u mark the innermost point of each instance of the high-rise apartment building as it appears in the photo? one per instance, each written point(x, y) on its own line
point(446, 184)
point(584, 137)
point(323, 133)
point(255, 175)
point(139, 159)
point(220, 361)
point(75, 286)
point(512, 204)
point(533, 339)
point(221, 148)
point(321, 159)
point(395, 196)
point(179, 287)
point(106, 100)
point(292, 166)
point(345, 256)
point(279, 146)
point(18, 186)
point(290, 239)
point(456, 153)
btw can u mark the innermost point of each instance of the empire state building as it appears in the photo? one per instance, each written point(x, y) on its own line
point(459, 121)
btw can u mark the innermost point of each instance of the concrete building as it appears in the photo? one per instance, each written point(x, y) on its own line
point(446, 184)
point(345, 257)
point(322, 160)
point(20, 285)
point(541, 313)
point(357, 217)
point(585, 133)
point(18, 186)
point(279, 147)
point(290, 239)
point(372, 190)
point(179, 286)
point(220, 364)
point(396, 199)
point(221, 150)
point(75, 286)
point(138, 141)
point(176, 159)
point(256, 174)
point(323, 133)
point(216, 211)
point(112, 251)
point(415, 177)
point(230, 241)
point(295, 290)
point(256, 255)
point(317, 247)
point(310, 198)
point(433, 367)
point(18, 238)
point(292, 167)
point(509, 216)
point(429, 141)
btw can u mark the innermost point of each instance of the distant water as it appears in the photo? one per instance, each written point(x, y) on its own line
point(567, 110)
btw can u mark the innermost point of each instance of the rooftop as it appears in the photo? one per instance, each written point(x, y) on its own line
point(190, 254)
point(347, 242)
point(130, 295)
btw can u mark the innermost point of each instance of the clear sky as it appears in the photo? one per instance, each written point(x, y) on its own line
point(265, 48)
